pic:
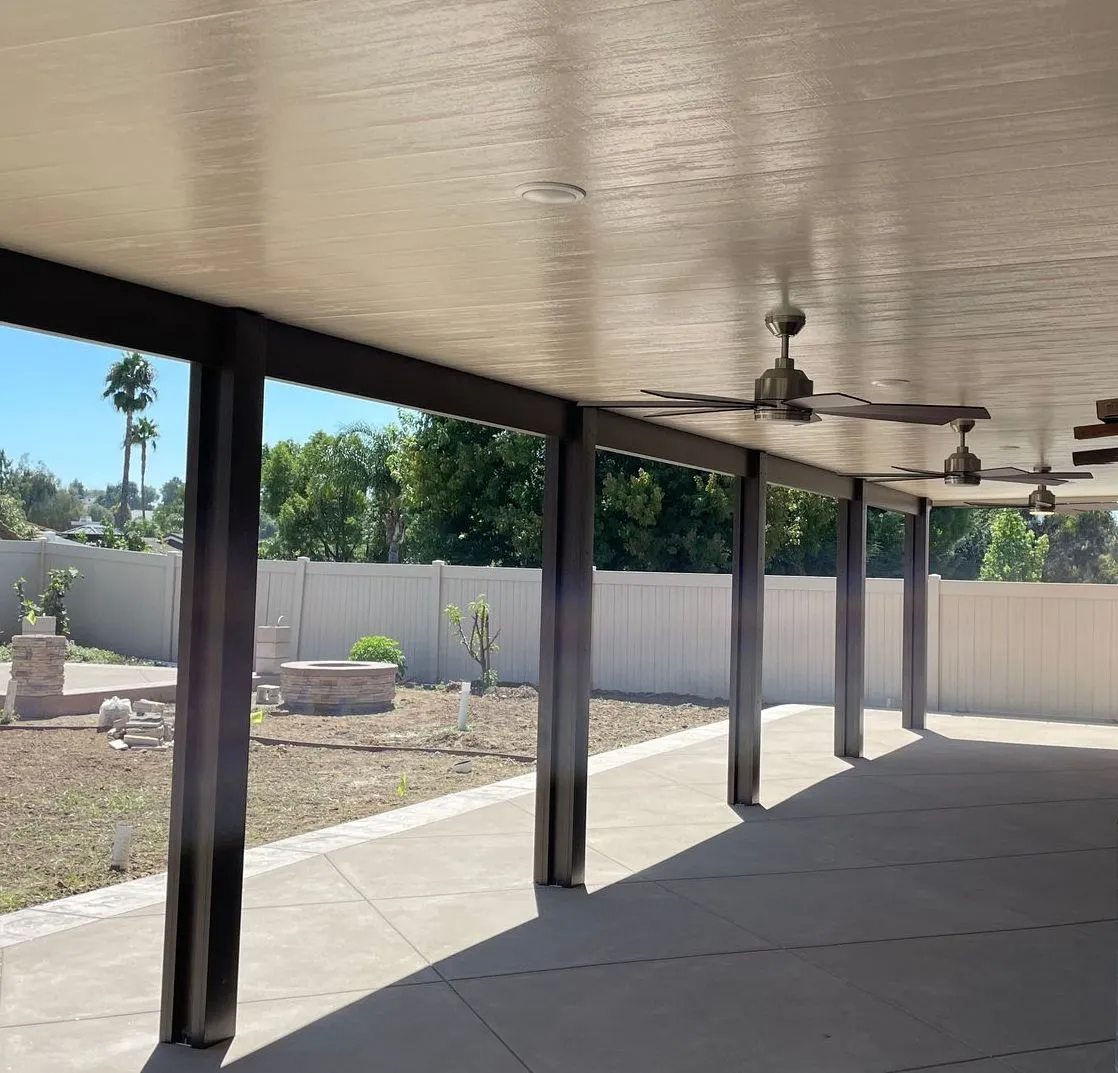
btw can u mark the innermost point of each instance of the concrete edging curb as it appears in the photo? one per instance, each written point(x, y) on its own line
point(107, 902)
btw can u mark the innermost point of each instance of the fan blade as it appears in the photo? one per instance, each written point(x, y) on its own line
point(834, 401)
point(998, 506)
point(688, 396)
point(1087, 508)
point(691, 412)
point(651, 404)
point(886, 477)
point(1101, 457)
point(906, 413)
point(1095, 432)
point(1067, 475)
point(1013, 475)
point(921, 472)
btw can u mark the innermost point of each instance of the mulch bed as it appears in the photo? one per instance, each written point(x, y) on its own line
point(62, 790)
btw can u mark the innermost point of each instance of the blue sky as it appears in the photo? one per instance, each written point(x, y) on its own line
point(53, 410)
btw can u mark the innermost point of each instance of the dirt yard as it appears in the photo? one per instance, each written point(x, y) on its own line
point(63, 790)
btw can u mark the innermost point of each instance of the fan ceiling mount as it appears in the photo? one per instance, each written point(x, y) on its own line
point(785, 393)
point(964, 467)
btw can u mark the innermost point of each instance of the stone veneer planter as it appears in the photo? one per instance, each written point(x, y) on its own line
point(337, 687)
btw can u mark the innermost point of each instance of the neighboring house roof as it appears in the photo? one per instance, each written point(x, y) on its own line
point(88, 528)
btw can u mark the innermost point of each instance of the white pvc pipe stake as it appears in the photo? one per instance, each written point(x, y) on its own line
point(463, 706)
point(122, 845)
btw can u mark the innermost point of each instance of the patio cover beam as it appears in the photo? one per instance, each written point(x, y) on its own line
point(850, 623)
point(48, 296)
point(791, 474)
point(914, 650)
point(209, 782)
point(747, 621)
point(647, 439)
point(885, 498)
point(562, 753)
point(312, 359)
point(55, 298)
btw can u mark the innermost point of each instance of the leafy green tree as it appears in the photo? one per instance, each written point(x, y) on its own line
point(13, 522)
point(472, 494)
point(653, 516)
point(145, 433)
point(884, 543)
point(386, 518)
point(111, 497)
point(951, 529)
point(173, 491)
point(168, 516)
point(1081, 548)
point(43, 501)
point(319, 496)
point(130, 384)
point(1015, 553)
point(800, 533)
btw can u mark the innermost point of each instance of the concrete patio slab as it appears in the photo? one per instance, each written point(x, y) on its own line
point(924, 922)
point(554, 928)
point(768, 1012)
point(1095, 1058)
point(845, 905)
point(1001, 991)
point(88, 684)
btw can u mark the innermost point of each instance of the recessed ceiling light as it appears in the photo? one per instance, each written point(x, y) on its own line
point(890, 381)
point(551, 193)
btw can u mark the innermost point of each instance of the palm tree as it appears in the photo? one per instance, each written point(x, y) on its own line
point(130, 383)
point(145, 432)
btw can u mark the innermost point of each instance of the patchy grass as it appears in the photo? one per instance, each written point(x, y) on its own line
point(76, 653)
point(63, 790)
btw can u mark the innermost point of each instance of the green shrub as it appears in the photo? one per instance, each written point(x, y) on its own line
point(380, 650)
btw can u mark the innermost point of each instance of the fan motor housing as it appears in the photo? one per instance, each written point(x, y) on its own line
point(1042, 501)
point(776, 386)
point(961, 467)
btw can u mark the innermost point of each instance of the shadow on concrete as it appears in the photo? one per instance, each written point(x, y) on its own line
point(796, 962)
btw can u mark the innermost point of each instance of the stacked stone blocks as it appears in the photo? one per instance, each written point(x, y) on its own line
point(39, 664)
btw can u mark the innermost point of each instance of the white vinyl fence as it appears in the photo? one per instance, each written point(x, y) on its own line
point(1010, 648)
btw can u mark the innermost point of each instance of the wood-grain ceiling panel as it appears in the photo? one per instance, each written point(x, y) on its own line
point(932, 181)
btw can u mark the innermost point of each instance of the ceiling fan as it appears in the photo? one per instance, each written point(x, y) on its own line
point(963, 466)
point(1042, 503)
point(1107, 412)
point(784, 393)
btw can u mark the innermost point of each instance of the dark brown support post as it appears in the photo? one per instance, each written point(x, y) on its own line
point(850, 623)
point(565, 618)
point(210, 780)
point(747, 624)
point(914, 652)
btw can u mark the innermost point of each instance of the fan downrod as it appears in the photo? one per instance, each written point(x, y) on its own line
point(783, 381)
point(962, 465)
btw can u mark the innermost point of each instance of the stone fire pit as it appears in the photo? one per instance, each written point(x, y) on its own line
point(337, 687)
